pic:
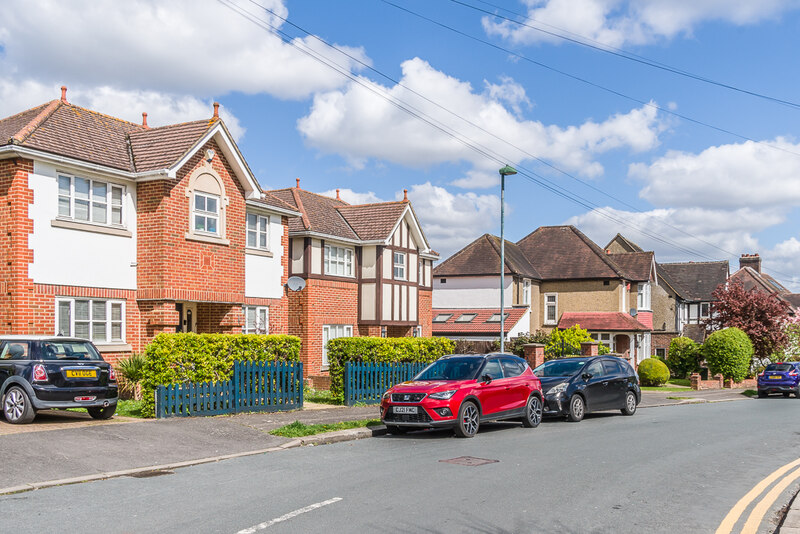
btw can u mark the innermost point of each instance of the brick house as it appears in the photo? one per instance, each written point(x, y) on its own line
point(116, 232)
point(562, 278)
point(752, 278)
point(367, 271)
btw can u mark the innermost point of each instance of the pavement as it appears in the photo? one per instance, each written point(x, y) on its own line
point(66, 447)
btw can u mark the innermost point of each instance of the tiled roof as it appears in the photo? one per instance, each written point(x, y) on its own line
point(637, 266)
point(478, 325)
point(273, 201)
point(793, 299)
point(373, 221)
point(482, 257)
point(665, 278)
point(696, 281)
point(623, 243)
point(752, 279)
point(601, 321)
point(695, 332)
point(160, 148)
point(565, 253)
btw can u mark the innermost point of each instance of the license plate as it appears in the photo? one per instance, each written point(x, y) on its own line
point(78, 373)
point(775, 377)
point(405, 409)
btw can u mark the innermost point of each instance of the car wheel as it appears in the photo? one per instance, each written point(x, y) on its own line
point(797, 393)
point(469, 419)
point(577, 408)
point(533, 412)
point(394, 429)
point(762, 394)
point(102, 413)
point(17, 406)
point(786, 394)
point(630, 404)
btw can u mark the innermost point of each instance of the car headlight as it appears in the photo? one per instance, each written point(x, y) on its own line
point(558, 389)
point(443, 395)
point(387, 395)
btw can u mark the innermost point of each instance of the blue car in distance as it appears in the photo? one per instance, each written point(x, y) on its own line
point(781, 377)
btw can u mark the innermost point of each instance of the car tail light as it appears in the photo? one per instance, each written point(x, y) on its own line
point(112, 375)
point(761, 374)
point(39, 373)
point(793, 373)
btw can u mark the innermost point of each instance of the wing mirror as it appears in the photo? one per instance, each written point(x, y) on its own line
point(587, 376)
point(486, 379)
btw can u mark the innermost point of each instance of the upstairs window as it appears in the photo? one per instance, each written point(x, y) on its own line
point(526, 292)
point(87, 200)
point(206, 213)
point(257, 235)
point(338, 261)
point(704, 310)
point(442, 317)
point(399, 262)
point(550, 308)
point(643, 296)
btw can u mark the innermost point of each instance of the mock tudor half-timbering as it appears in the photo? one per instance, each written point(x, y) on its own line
point(368, 271)
point(116, 231)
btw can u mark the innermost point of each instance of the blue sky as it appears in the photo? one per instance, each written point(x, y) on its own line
point(688, 191)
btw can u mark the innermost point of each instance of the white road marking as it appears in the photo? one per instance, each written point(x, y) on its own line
point(286, 517)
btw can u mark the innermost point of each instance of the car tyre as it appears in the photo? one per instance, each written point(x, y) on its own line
point(630, 404)
point(762, 394)
point(396, 430)
point(17, 406)
point(577, 408)
point(102, 413)
point(786, 394)
point(533, 412)
point(469, 420)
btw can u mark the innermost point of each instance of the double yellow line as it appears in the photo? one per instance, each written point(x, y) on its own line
point(757, 515)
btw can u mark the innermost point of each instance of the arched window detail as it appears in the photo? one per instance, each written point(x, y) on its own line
point(207, 203)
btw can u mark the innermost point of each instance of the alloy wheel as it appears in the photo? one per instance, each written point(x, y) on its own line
point(630, 402)
point(535, 411)
point(470, 418)
point(14, 405)
point(576, 408)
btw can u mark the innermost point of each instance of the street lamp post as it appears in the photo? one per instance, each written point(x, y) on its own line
point(505, 171)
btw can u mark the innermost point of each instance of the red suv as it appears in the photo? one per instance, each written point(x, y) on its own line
point(462, 391)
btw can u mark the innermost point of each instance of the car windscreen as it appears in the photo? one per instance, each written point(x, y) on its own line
point(780, 367)
point(451, 369)
point(566, 367)
point(69, 350)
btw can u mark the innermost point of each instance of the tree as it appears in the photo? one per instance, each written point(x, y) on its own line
point(568, 342)
point(729, 352)
point(759, 314)
point(791, 351)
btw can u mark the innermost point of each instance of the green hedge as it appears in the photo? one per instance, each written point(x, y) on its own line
point(381, 350)
point(683, 357)
point(728, 352)
point(180, 358)
point(653, 372)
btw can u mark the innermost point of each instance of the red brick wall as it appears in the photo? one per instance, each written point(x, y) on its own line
point(661, 341)
point(425, 312)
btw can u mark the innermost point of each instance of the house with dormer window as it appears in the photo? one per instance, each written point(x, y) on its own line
point(116, 231)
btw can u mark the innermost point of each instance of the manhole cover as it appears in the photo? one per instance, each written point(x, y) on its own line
point(153, 473)
point(469, 461)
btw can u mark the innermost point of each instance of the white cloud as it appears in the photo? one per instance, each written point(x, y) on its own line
point(353, 197)
point(178, 47)
point(161, 108)
point(450, 221)
point(727, 176)
point(783, 263)
point(359, 124)
point(621, 22)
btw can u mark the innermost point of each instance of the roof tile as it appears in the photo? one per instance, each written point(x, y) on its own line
point(601, 321)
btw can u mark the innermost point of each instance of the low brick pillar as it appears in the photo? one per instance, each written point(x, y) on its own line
point(534, 354)
point(590, 348)
point(696, 380)
point(721, 381)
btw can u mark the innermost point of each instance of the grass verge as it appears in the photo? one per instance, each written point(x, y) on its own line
point(665, 389)
point(319, 396)
point(750, 392)
point(298, 429)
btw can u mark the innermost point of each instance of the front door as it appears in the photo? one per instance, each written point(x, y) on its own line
point(187, 311)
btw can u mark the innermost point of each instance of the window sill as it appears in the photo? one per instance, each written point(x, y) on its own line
point(258, 252)
point(89, 227)
point(207, 239)
point(113, 347)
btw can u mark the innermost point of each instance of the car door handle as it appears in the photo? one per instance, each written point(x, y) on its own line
point(605, 383)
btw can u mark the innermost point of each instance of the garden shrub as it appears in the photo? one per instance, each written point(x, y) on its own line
point(189, 357)
point(567, 342)
point(728, 352)
point(653, 372)
point(381, 350)
point(683, 357)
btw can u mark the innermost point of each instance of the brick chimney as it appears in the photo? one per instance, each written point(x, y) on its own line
point(751, 260)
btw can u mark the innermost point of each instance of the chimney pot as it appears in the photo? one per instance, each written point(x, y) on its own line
point(144, 119)
point(405, 195)
point(298, 183)
point(337, 195)
point(64, 94)
point(216, 110)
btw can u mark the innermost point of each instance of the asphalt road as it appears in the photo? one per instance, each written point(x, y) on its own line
point(668, 469)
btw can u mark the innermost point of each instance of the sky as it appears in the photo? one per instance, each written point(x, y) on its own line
point(673, 122)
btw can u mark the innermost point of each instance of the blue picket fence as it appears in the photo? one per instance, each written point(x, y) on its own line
point(367, 382)
point(254, 387)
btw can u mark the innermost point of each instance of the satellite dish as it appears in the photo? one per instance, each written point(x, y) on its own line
point(634, 311)
point(295, 283)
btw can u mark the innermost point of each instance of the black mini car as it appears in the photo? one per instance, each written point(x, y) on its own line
point(41, 373)
point(576, 386)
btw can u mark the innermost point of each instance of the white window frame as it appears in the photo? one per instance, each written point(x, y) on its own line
point(112, 207)
point(109, 322)
point(526, 292)
point(216, 215)
point(260, 319)
point(399, 271)
point(643, 296)
point(548, 305)
point(260, 232)
point(707, 314)
point(604, 338)
point(337, 330)
point(421, 276)
point(338, 259)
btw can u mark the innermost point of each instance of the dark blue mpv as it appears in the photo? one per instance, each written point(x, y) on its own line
point(782, 377)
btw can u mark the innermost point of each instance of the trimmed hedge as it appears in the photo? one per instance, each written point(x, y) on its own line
point(189, 357)
point(728, 352)
point(381, 350)
point(653, 372)
point(683, 357)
